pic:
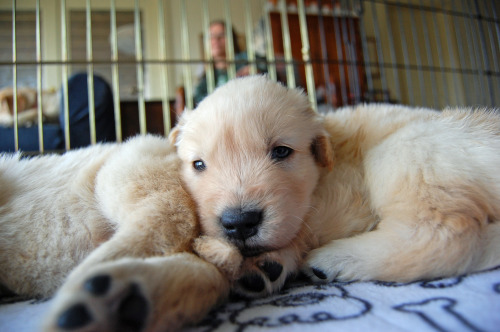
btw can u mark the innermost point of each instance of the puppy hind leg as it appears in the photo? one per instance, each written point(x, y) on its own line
point(396, 251)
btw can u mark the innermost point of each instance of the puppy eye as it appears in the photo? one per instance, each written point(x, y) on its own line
point(281, 152)
point(199, 165)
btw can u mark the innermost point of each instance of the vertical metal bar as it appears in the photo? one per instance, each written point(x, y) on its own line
point(380, 54)
point(64, 57)
point(115, 73)
point(461, 54)
point(497, 40)
point(188, 82)
point(406, 61)
point(39, 77)
point(392, 52)
point(311, 89)
point(486, 63)
point(354, 54)
point(439, 52)
point(139, 68)
point(460, 44)
point(471, 42)
point(364, 45)
point(497, 25)
point(14, 76)
point(340, 60)
point(324, 55)
point(167, 123)
point(271, 59)
point(287, 46)
point(348, 56)
point(231, 66)
point(416, 47)
point(249, 38)
point(493, 45)
point(209, 69)
point(90, 74)
point(428, 52)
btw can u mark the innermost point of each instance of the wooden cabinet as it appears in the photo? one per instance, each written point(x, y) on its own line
point(336, 55)
point(154, 118)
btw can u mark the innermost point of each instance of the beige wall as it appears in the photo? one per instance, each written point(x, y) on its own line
point(52, 45)
point(425, 88)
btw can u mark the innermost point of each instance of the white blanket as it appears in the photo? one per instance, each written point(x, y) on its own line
point(467, 303)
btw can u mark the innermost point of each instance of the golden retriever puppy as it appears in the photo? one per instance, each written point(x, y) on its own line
point(27, 106)
point(117, 219)
point(370, 192)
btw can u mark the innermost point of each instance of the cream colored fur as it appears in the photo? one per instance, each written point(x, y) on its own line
point(370, 192)
point(116, 210)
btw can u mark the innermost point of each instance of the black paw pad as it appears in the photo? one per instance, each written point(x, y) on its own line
point(272, 270)
point(98, 285)
point(253, 283)
point(320, 274)
point(133, 310)
point(75, 317)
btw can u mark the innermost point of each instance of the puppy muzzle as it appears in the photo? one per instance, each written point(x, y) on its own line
point(240, 225)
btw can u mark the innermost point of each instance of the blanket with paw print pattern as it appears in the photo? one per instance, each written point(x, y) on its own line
point(466, 303)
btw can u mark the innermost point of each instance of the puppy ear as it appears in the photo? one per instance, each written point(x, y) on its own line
point(174, 135)
point(322, 151)
point(176, 132)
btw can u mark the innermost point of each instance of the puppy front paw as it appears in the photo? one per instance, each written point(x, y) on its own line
point(266, 274)
point(125, 307)
point(334, 264)
point(153, 294)
point(104, 301)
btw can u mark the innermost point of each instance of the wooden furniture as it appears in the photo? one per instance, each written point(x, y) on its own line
point(154, 117)
point(335, 51)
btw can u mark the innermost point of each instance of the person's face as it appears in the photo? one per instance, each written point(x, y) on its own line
point(218, 40)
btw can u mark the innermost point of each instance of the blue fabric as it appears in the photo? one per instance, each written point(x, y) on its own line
point(78, 120)
point(28, 138)
point(79, 111)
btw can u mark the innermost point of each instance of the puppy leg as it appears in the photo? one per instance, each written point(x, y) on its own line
point(267, 273)
point(252, 276)
point(400, 251)
point(108, 292)
point(152, 294)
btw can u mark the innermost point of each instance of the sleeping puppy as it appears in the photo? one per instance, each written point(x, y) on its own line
point(268, 187)
point(369, 192)
point(27, 106)
point(112, 232)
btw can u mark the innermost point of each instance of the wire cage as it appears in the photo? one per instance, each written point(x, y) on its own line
point(151, 54)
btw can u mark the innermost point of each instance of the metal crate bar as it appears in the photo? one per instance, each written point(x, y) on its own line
point(208, 48)
point(430, 53)
point(39, 76)
point(164, 72)
point(139, 68)
point(311, 89)
point(64, 59)
point(90, 72)
point(115, 74)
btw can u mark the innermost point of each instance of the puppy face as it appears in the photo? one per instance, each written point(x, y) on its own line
point(251, 154)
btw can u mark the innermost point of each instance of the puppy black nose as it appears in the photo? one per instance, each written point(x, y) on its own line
point(239, 224)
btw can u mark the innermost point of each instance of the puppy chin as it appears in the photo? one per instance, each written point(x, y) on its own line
point(252, 251)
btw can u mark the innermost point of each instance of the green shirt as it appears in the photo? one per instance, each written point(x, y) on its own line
point(221, 76)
